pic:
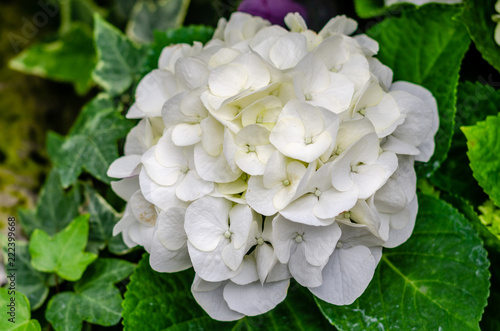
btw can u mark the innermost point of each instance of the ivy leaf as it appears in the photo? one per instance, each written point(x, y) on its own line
point(20, 318)
point(483, 142)
point(437, 280)
point(185, 34)
point(102, 220)
point(161, 301)
point(91, 143)
point(150, 15)
point(55, 209)
point(63, 253)
point(95, 300)
point(426, 46)
point(71, 59)
point(476, 15)
point(34, 284)
point(475, 101)
point(119, 61)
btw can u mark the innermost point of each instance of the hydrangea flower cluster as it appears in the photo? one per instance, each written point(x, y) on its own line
point(270, 154)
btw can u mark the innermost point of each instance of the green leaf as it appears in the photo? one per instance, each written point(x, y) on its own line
point(426, 46)
point(150, 15)
point(475, 101)
point(483, 142)
point(371, 8)
point(95, 300)
point(16, 314)
point(102, 220)
point(71, 59)
point(161, 301)
point(437, 280)
point(476, 15)
point(63, 253)
point(119, 61)
point(32, 283)
point(91, 143)
point(186, 35)
point(55, 209)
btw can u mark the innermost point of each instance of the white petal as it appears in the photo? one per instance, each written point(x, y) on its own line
point(209, 265)
point(213, 168)
point(288, 50)
point(125, 166)
point(186, 134)
point(346, 275)
point(143, 210)
point(165, 260)
point(170, 228)
point(192, 187)
point(125, 188)
point(255, 299)
point(259, 197)
point(213, 302)
point(304, 273)
point(161, 196)
point(206, 222)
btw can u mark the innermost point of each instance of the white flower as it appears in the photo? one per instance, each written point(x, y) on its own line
point(268, 154)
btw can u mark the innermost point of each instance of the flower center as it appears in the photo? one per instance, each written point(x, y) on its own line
point(308, 140)
point(339, 244)
point(259, 119)
point(184, 169)
point(317, 193)
point(308, 96)
point(260, 241)
point(251, 148)
point(227, 234)
point(355, 167)
point(362, 112)
point(286, 182)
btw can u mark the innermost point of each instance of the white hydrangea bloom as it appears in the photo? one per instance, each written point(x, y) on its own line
point(270, 154)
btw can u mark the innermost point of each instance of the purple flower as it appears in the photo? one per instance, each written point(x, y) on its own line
point(272, 10)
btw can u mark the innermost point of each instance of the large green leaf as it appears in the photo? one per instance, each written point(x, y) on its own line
point(71, 58)
point(119, 60)
point(17, 318)
point(95, 300)
point(483, 142)
point(426, 46)
point(31, 282)
point(102, 220)
point(160, 301)
point(91, 143)
point(55, 209)
point(437, 280)
point(476, 15)
point(475, 101)
point(63, 253)
point(150, 15)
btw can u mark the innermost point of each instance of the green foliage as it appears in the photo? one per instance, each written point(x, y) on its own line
point(31, 282)
point(475, 101)
point(483, 142)
point(22, 314)
point(71, 58)
point(95, 300)
point(150, 15)
point(63, 253)
point(490, 217)
point(102, 220)
point(371, 8)
point(118, 59)
point(176, 308)
point(438, 279)
point(55, 208)
point(476, 15)
point(426, 46)
point(91, 143)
